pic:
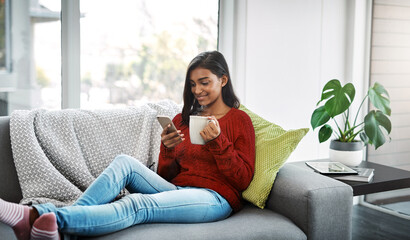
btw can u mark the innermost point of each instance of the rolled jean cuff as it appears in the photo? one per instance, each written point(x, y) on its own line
point(45, 208)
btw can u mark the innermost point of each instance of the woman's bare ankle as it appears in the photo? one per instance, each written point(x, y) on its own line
point(33, 215)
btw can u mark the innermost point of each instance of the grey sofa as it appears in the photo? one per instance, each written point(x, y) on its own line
point(302, 205)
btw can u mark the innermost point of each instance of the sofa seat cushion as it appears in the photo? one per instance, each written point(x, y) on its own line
point(249, 223)
point(6, 232)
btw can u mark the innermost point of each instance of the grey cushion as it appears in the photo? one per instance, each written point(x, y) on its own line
point(249, 223)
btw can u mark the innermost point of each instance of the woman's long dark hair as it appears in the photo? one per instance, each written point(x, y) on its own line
point(215, 62)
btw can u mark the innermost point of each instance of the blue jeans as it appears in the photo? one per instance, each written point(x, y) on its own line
point(152, 199)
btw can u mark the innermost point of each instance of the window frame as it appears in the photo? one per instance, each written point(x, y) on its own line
point(7, 33)
point(70, 54)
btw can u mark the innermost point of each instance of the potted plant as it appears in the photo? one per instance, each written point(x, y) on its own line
point(336, 101)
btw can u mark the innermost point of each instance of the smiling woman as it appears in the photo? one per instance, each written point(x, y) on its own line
point(193, 183)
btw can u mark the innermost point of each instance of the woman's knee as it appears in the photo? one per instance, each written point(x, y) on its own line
point(126, 162)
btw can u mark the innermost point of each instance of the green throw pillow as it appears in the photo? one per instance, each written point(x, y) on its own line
point(273, 146)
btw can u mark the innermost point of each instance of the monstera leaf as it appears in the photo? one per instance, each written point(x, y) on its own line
point(324, 133)
point(319, 117)
point(373, 122)
point(378, 100)
point(338, 98)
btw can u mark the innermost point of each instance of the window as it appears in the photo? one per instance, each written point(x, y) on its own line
point(131, 51)
point(138, 51)
point(35, 78)
point(46, 32)
point(390, 66)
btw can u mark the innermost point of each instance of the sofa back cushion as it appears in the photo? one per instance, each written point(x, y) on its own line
point(9, 184)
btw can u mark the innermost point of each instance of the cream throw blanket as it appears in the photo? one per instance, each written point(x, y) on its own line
point(58, 154)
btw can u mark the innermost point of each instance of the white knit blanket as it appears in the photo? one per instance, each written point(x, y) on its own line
point(58, 154)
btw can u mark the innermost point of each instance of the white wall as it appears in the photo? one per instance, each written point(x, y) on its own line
point(284, 53)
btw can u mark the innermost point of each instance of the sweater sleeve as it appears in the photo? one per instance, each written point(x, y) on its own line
point(168, 168)
point(236, 160)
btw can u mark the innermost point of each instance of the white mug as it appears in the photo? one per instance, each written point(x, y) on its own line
point(196, 125)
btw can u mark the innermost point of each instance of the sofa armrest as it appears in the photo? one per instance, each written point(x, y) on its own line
point(319, 205)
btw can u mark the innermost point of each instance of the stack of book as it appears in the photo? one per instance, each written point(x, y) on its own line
point(363, 175)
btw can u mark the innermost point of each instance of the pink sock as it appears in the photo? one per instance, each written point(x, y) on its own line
point(45, 228)
point(17, 217)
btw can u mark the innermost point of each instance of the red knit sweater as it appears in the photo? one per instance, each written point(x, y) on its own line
point(225, 164)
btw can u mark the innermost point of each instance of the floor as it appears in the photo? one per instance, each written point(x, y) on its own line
point(401, 207)
point(370, 224)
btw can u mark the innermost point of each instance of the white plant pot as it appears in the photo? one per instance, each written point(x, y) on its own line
point(350, 154)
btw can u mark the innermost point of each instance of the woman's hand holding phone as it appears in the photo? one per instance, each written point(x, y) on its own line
point(171, 139)
point(170, 136)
